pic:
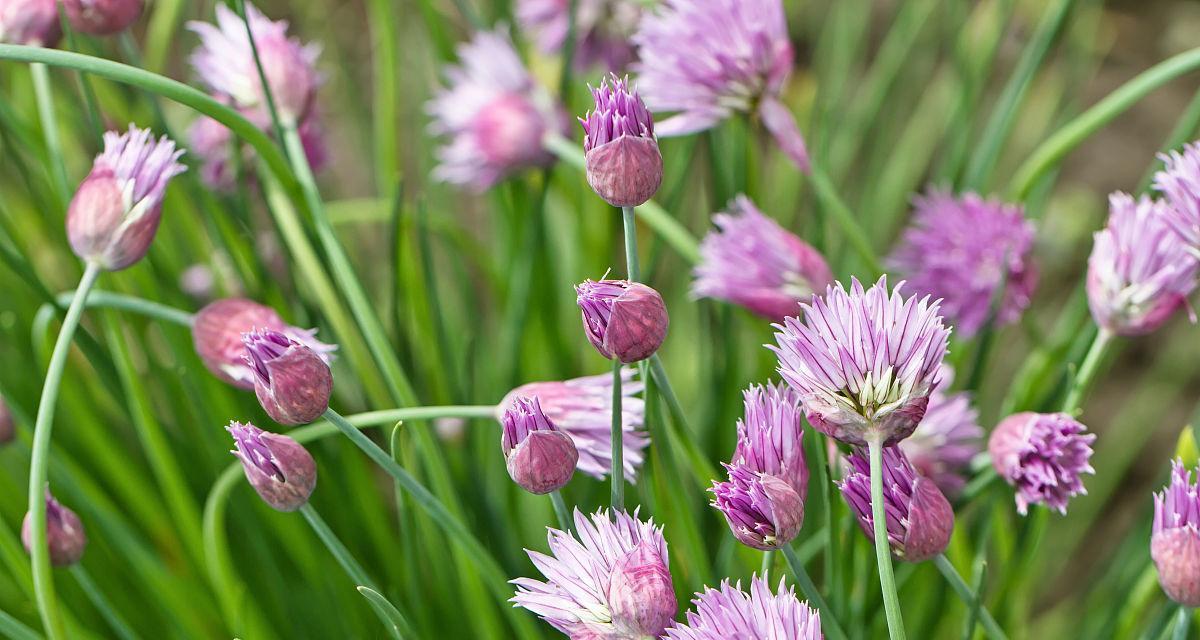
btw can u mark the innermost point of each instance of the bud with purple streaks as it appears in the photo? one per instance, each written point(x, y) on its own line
point(217, 336)
point(623, 320)
point(281, 471)
point(64, 533)
point(292, 382)
point(763, 511)
point(624, 165)
point(540, 458)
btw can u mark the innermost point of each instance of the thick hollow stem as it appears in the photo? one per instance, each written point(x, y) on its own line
point(990, 626)
point(1182, 621)
point(883, 552)
point(828, 622)
point(618, 443)
point(765, 571)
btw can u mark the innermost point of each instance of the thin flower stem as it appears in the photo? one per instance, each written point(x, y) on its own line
point(883, 553)
point(43, 579)
point(276, 122)
point(100, 601)
point(561, 511)
point(617, 500)
point(1183, 620)
point(1087, 371)
point(960, 587)
point(702, 469)
point(45, 105)
point(844, 217)
point(765, 570)
point(631, 253)
point(122, 302)
point(353, 569)
point(828, 622)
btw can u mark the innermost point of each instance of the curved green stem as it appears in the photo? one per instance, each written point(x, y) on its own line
point(276, 123)
point(100, 601)
point(990, 626)
point(1087, 371)
point(122, 302)
point(883, 552)
point(45, 107)
point(43, 580)
point(828, 622)
point(701, 468)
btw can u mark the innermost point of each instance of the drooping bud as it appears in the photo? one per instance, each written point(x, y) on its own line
point(1043, 456)
point(217, 336)
point(540, 458)
point(762, 510)
point(8, 429)
point(292, 382)
point(30, 22)
point(64, 533)
point(640, 592)
point(103, 17)
point(624, 165)
point(281, 471)
point(623, 320)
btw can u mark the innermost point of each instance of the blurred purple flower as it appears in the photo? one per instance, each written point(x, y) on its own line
point(947, 439)
point(1179, 181)
point(214, 144)
point(103, 17)
point(1175, 541)
point(771, 435)
point(763, 511)
point(622, 319)
point(279, 469)
point(1042, 455)
point(729, 613)
point(708, 59)
point(602, 29)
point(217, 336)
point(752, 261)
point(960, 249)
point(30, 22)
point(64, 533)
point(292, 382)
point(540, 457)
point(624, 166)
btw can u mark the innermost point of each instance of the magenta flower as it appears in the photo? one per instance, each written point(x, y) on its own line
point(752, 261)
point(64, 533)
point(602, 29)
point(30, 22)
point(947, 439)
point(1175, 541)
point(1042, 455)
point(622, 319)
point(1179, 181)
point(709, 59)
point(115, 212)
point(863, 362)
point(281, 471)
point(771, 435)
point(493, 114)
point(582, 408)
point(540, 457)
point(103, 17)
point(1140, 271)
point(613, 582)
point(291, 381)
point(624, 166)
point(763, 511)
point(215, 144)
point(217, 335)
point(960, 248)
point(729, 613)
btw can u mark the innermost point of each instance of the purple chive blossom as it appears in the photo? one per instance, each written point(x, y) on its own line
point(624, 166)
point(540, 457)
point(612, 582)
point(281, 471)
point(960, 249)
point(217, 335)
point(582, 408)
point(602, 29)
point(30, 22)
point(291, 381)
point(863, 362)
point(763, 511)
point(64, 533)
point(729, 613)
point(947, 439)
point(103, 17)
point(622, 319)
point(215, 145)
point(1042, 455)
point(1140, 271)
point(709, 59)
point(225, 63)
point(771, 435)
point(1179, 181)
point(1175, 541)
point(751, 261)
point(919, 518)
point(492, 114)
point(115, 212)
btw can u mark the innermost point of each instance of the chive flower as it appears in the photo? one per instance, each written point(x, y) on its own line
point(729, 613)
point(602, 30)
point(621, 156)
point(33, 23)
point(540, 457)
point(292, 382)
point(103, 17)
point(763, 511)
point(281, 471)
point(622, 319)
point(947, 439)
point(217, 336)
point(1179, 182)
point(1175, 541)
point(1043, 456)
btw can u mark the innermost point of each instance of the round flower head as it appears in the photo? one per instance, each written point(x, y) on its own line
point(540, 458)
point(612, 582)
point(1042, 455)
point(1175, 541)
point(947, 439)
point(919, 518)
point(225, 63)
point(116, 210)
point(280, 470)
point(771, 436)
point(729, 613)
point(624, 166)
point(30, 22)
point(623, 320)
point(752, 261)
point(292, 382)
point(863, 362)
point(217, 335)
point(707, 59)
point(582, 409)
point(1140, 271)
point(763, 511)
point(103, 17)
point(64, 533)
point(602, 29)
point(8, 428)
point(960, 249)
point(493, 114)
point(1179, 181)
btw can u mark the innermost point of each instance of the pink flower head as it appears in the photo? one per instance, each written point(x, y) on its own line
point(960, 249)
point(624, 166)
point(279, 469)
point(103, 17)
point(708, 59)
point(864, 362)
point(217, 335)
point(540, 457)
point(1140, 271)
point(729, 613)
point(1175, 541)
point(30, 22)
point(602, 29)
point(752, 261)
point(947, 439)
point(1179, 181)
point(1043, 456)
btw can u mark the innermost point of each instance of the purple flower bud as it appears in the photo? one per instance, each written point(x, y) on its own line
point(280, 470)
point(919, 518)
point(116, 210)
point(103, 17)
point(1175, 541)
point(602, 29)
point(640, 592)
point(771, 437)
point(30, 22)
point(540, 458)
point(217, 335)
point(623, 320)
point(763, 511)
point(1042, 455)
point(64, 533)
point(624, 166)
point(8, 429)
point(291, 381)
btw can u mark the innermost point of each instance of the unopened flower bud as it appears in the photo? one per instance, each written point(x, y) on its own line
point(540, 458)
point(640, 592)
point(623, 320)
point(103, 17)
point(292, 382)
point(1175, 541)
point(763, 511)
point(30, 22)
point(624, 165)
point(64, 533)
point(217, 336)
point(280, 470)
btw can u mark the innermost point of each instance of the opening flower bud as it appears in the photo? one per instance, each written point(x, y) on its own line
point(1175, 541)
point(281, 471)
point(624, 165)
point(640, 592)
point(292, 382)
point(217, 336)
point(763, 511)
point(623, 320)
point(103, 17)
point(1043, 456)
point(540, 458)
point(64, 533)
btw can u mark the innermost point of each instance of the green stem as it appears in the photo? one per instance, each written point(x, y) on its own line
point(883, 553)
point(1183, 620)
point(960, 587)
point(631, 253)
point(841, 214)
point(276, 122)
point(121, 302)
point(617, 500)
point(681, 439)
point(353, 569)
point(828, 622)
point(43, 580)
point(45, 106)
point(765, 571)
point(1087, 371)
point(561, 511)
point(100, 601)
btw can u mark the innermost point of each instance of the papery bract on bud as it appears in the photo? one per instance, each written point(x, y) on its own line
point(1179, 182)
point(602, 29)
point(281, 471)
point(729, 613)
point(947, 439)
point(623, 320)
point(624, 165)
point(8, 428)
point(217, 332)
point(292, 382)
point(30, 22)
point(1175, 540)
point(103, 17)
point(763, 511)
point(540, 458)
point(64, 533)
point(1043, 456)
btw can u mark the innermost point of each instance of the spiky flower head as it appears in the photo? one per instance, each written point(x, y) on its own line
point(225, 63)
point(1175, 540)
point(729, 613)
point(864, 362)
point(582, 408)
point(33, 23)
point(763, 511)
point(1140, 271)
point(947, 439)
point(752, 261)
point(962, 249)
point(281, 471)
point(623, 320)
point(540, 457)
point(64, 533)
point(493, 115)
point(103, 17)
point(613, 582)
point(919, 518)
point(709, 59)
point(602, 29)
point(217, 336)
point(624, 165)
point(1043, 456)
point(292, 382)
point(1179, 181)
point(8, 428)
point(771, 435)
